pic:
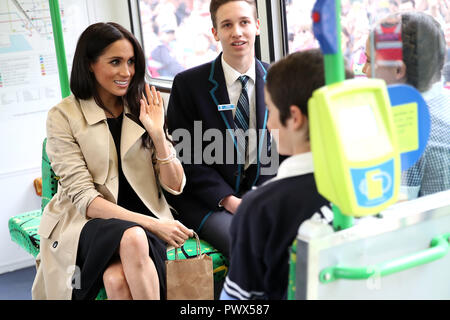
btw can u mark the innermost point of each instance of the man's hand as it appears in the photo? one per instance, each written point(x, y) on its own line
point(231, 203)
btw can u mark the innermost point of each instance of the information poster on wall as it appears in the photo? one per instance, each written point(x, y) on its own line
point(29, 81)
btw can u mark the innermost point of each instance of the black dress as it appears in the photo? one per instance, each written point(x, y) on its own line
point(100, 238)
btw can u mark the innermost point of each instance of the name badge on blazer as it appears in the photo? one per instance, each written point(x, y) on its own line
point(226, 107)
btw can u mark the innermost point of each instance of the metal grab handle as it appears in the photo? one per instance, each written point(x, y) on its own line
point(439, 247)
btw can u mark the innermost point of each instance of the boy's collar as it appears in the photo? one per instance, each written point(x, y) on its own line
point(436, 89)
point(296, 165)
point(231, 74)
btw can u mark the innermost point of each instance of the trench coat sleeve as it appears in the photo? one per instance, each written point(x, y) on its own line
point(174, 192)
point(67, 159)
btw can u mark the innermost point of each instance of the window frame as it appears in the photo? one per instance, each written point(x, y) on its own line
point(284, 28)
point(165, 85)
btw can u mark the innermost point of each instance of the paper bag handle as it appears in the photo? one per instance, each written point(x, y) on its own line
point(199, 249)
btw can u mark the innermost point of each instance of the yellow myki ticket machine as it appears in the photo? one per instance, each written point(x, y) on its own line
point(354, 144)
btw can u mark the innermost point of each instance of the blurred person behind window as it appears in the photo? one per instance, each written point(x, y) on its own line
point(423, 56)
point(164, 53)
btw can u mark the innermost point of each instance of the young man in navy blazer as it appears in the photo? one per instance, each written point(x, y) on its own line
point(201, 119)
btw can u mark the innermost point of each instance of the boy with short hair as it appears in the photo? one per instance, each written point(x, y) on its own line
point(421, 68)
point(267, 221)
point(225, 96)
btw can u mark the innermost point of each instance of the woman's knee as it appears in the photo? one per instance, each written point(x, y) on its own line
point(134, 242)
point(115, 282)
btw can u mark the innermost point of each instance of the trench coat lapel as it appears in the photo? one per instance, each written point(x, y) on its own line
point(92, 112)
point(131, 132)
point(105, 150)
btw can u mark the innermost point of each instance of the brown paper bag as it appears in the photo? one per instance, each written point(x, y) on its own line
point(190, 279)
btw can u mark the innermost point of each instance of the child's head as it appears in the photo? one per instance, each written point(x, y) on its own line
point(292, 80)
point(216, 4)
point(423, 48)
point(289, 85)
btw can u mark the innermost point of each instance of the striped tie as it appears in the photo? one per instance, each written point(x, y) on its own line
point(241, 119)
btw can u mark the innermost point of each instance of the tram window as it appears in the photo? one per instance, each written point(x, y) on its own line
point(299, 25)
point(176, 35)
point(357, 17)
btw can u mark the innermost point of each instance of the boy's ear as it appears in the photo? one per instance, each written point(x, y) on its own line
point(214, 32)
point(297, 117)
point(400, 71)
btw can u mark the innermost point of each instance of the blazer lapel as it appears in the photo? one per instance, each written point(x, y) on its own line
point(261, 110)
point(219, 92)
point(261, 115)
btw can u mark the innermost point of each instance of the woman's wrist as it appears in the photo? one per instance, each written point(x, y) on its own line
point(162, 148)
point(150, 224)
point(158, 136)
point(171, 157)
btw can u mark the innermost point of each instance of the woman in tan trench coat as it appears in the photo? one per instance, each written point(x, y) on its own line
point(109, 222)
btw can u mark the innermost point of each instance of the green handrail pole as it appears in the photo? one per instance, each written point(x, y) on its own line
point(334, 63)
point(59, 47)
point(340, 221)
point(334, 73)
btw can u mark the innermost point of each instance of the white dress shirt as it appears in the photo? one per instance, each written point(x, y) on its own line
point(234, 89)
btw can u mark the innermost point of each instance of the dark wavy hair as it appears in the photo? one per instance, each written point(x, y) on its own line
point(91, 45)
point(423, 49)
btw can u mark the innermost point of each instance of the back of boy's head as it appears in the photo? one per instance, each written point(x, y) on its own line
point(423, 49)
point(216, 4)
point(293, 79)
